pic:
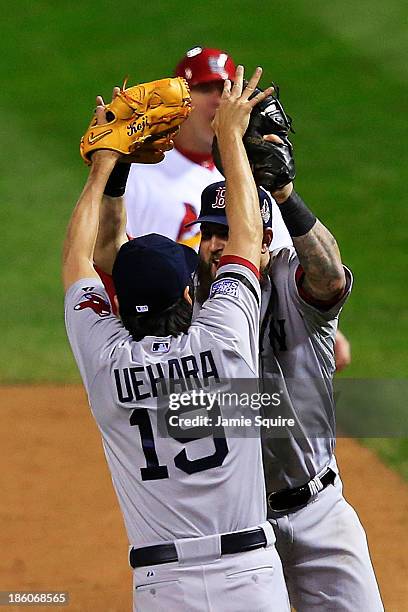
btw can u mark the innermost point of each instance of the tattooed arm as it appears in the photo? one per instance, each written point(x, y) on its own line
point(319, 255)
point(324, 278)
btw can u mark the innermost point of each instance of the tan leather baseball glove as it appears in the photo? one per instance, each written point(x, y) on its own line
point(142, 120)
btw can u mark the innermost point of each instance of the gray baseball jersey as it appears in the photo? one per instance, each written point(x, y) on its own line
point(297, 358)
point(169, 487)
point(323, 546)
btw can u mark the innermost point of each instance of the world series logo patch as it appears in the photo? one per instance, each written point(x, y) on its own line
point(265, 212)
point(225, 287)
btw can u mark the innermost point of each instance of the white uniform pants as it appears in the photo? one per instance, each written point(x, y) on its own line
point(324, 552)
point(203, 581)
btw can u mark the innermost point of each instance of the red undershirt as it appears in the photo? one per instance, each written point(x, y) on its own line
point(202, 159)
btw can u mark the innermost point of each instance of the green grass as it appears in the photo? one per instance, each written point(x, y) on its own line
point(394, 452)
point(344, 78)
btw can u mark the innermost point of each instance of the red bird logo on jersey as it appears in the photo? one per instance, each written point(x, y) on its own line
point(96, 303)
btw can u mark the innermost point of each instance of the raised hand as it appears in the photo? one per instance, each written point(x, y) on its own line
point(232, 116)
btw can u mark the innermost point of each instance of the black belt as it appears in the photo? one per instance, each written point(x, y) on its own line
point(239, 541)
point(299, 496)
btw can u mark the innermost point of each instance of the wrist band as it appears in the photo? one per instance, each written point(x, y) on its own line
point(116, 185)
point(296, 215)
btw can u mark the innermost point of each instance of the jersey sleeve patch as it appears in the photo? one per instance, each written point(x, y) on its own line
point(240, 278)
point(225, 286)
point(96, 303)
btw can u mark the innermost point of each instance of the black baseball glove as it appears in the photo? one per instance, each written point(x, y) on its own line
point(272, 163)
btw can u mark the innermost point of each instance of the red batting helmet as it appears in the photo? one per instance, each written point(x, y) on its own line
point(200, 65)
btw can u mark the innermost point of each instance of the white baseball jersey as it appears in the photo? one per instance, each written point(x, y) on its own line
point(162, 197)
point(297, 358)
point(170, 487)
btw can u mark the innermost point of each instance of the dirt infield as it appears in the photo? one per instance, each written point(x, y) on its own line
point(61, 529)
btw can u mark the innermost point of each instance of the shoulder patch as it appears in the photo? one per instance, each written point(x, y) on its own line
point(96, 303)
point(226, 286)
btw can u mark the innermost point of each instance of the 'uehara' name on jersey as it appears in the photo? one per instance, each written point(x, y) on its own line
point(181, 374)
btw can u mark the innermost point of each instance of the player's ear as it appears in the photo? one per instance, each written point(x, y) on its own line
point(266, 240)
point(187, 296)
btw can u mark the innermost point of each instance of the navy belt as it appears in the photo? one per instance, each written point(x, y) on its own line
point(238, 541)
point(288, 499)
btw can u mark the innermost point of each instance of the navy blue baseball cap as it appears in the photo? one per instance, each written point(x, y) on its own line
point(213, 206)
point(150, 274)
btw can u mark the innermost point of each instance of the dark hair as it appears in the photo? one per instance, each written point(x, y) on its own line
point(172, 322)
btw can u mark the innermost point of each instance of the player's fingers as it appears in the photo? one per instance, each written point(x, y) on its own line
point(174, 131)
point(239, 78)
point(100, 114)
point(253, 82)
point(99, 101)
point(168, 146)
point(273, 138)
point(261, 96)
point(227, 89)
point(115, 92)
point(163, 145)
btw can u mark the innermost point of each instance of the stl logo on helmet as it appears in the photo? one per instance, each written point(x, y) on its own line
point(96, 303)
point(219, 198)
point(217, 65)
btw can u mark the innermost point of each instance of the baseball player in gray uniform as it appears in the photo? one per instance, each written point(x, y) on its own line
point(194, 509)
point(320, 539)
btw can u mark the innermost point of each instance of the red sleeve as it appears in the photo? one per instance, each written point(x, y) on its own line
point(108, 283)
point(240, 261)
point(309, 299)
point(109, 286)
